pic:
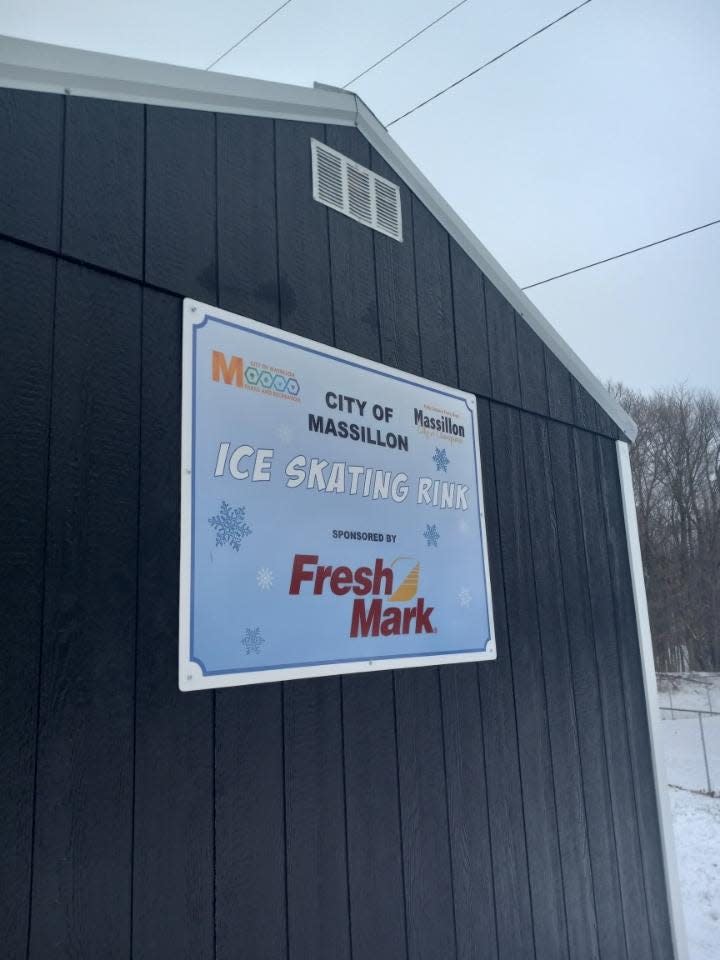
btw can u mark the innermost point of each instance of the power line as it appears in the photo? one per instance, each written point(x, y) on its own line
point(625, 253)
point(248, 34)
point(404, 44)
point(487, 63)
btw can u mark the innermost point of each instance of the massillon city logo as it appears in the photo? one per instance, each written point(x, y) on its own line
point(258, 377)
point(370, 614)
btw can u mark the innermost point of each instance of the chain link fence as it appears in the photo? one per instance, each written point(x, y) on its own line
point(692, 748)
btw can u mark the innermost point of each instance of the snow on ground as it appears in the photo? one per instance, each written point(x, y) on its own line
point(696, 817)
point(696, 822)
point(684, 755)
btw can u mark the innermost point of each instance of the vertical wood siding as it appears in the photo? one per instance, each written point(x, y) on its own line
point(554, 651)
point(247, 218)
point(103, 189)
point(31, 166)
point(173, 762)
point(27, 294)
point(507, 816)
point(498, 811)
point(82, 854)
point(181, 202)
point(395, 284)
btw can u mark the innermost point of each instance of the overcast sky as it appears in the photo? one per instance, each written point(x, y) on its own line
point(600, 135)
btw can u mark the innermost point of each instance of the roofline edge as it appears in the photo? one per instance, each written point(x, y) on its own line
point(393, 154)
point(44, 67)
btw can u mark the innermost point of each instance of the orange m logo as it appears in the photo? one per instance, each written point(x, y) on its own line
point(231, 372)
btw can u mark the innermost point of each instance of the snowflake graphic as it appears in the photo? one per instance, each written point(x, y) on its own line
point(441, 459)
point(252, 640)
point(284, 433)
point(431, 535)
point(265, 578)
point(464, 597)
point(230, 526)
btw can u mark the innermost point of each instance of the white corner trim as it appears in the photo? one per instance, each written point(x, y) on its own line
point(667, 838)
point(28, 65)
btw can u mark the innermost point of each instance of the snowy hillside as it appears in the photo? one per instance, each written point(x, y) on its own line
point(696, 816)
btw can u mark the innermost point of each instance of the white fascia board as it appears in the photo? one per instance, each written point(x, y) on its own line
point(28, 65)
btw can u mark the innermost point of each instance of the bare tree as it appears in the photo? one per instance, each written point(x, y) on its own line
point(676, 473)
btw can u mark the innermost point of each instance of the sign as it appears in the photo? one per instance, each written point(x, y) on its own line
point(332, 514)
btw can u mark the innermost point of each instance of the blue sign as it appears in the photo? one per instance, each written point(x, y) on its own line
point(332, 513)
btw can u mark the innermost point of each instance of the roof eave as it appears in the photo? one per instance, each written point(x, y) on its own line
point(28, 65)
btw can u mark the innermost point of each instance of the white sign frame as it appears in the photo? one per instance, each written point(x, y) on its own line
point(190, 676)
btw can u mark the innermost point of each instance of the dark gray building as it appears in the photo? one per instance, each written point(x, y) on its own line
point(496, 810)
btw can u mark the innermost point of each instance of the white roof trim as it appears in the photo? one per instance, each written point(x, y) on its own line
point(27, 65)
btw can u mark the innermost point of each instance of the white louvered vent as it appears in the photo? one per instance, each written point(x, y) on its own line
point(344, 185)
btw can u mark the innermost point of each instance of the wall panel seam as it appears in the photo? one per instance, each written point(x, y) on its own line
point(217, 209)
point(31, 876)
point(330, 263)
point(591, 619)
point(487, 804)
point(452, 311)
point(447, 808)
point(214, 823)
point(277, 228)
point(415, 277)
point(561, 565)
point(345, 813)
point(536, 607)
point(135, 632)
point(283, 687)
point(63, 165)
point(512, 686)
point(145, 179)
point(400, 817)
point(616, 622)
point(517, 359)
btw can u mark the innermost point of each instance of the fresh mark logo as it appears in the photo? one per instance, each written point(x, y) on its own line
point(256, 376)
point(408, 586)
point(372, 616)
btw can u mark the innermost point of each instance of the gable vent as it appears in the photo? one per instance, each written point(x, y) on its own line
point(344, 185)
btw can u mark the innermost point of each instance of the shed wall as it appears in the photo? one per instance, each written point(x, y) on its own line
point(500, 810)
